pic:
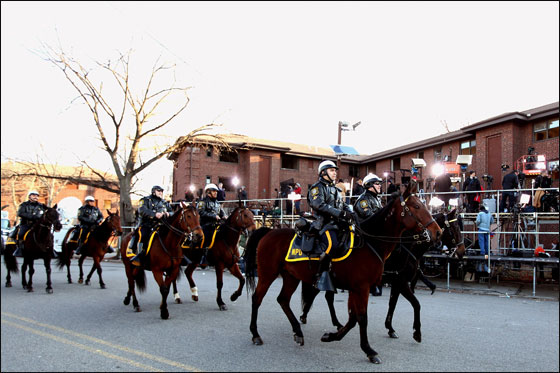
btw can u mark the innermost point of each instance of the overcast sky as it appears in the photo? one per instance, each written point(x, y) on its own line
point(286, 71)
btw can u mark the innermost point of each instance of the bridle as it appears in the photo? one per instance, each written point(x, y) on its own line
point(447, 227)
point(182, 220)
point(239, 223)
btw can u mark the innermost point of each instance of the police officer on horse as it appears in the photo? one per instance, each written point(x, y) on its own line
point(89, 216)
point(151, 209)
point(29, 212)
point(209, 207)
point(369, 202)
point(327, 203)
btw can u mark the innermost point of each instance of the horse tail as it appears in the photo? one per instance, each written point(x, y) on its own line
point(10, 261)
point(64, 256)
point(140, 278)
point(251, 257)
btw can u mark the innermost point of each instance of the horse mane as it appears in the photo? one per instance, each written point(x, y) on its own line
point(371, 223)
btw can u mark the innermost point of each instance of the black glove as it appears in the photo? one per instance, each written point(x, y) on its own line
point(346, 215)
point(395, 195)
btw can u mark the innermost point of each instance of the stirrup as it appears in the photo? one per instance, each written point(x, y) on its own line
point(324, 283)
point(137, 260)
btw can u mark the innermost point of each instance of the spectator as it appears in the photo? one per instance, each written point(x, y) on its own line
point(242, 194)
point(471, 185)
point(358, 188)
point(340, 185)
point(297, 202)
point(221, 192)
point(542, 181)
point(391, 187)
point(189, 196)
point(510, 181)
point(484, 220)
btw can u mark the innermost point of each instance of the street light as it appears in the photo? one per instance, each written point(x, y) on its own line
point(344, 126)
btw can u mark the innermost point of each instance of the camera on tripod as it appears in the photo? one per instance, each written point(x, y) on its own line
point(487, 178)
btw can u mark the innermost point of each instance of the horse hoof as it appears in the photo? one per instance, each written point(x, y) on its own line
point(8, 284)
point(87, 283)
point(69, 281)
point(393, 335)
point(29, 290)
point(298, 339)
point(80, 281)
point(137, 309)
point(303, 319)
point(326, 337)
point(102, 286)
point(126, 301)
point(374, 359)
point(49, 291)
point(178, 300)
point(433, 290)
point(234, 297)
point(417, 337)
point(223, 307)
point(195, 298)
point(257, 341)
point(164, 314)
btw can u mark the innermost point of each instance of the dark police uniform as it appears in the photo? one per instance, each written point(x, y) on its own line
point(367, 204)
point(88, 216)
point(29, 212)
point(208, 209)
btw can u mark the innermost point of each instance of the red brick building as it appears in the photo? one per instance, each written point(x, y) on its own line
point(261, 165)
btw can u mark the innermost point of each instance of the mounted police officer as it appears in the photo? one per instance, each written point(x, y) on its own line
point(29, 212)
point(327, 203)
point(89, 216)
point(209, 207)
point(151, 209)
point(369, 202)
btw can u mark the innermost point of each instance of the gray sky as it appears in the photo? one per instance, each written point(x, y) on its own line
point(286, 71)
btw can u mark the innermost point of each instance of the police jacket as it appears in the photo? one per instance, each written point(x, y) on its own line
point(208, 209)
point(327, 203)
point(543, 182)
point(148, 208)
point(510, 181)
point(89, 215)
point(30, 212)
point(367, 204)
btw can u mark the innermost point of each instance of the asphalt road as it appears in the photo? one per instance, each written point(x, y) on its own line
point(85, 328)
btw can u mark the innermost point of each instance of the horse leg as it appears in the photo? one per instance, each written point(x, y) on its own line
point(234, 270)
point(289, 286)
point(164, 291)
point(93, 268)
point(219, 284)
point(131, 293)
point(393, 299)
point(80, 262)
point(407, 293)
point(23, 275)
point(329, 296)
point(47, 262)
point(188, 274)
point(176, 292)
point(428, 283)
point(8, 280)
point(31, 272)
point(265, 280)
point(308, 294)
point(97, 263)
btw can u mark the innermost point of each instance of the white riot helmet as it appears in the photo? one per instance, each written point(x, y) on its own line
point(370, 179)
point(32, 192)
point(210, 187)
point(323, 166)
point(90, 198)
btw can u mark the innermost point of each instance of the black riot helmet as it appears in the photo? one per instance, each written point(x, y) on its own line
point(156, 188)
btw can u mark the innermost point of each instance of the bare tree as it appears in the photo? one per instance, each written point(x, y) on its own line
point(128, 120)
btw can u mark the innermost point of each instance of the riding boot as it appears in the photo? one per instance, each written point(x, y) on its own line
point(139, 259)
point(77, 252)
point(323, 278)
point(110, 249)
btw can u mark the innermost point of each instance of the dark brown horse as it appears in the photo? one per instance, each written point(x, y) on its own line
point(37, 244)
point(400, 269)
point(164, 255)
point(357, 273)
point(95, 245)
point(223, 254)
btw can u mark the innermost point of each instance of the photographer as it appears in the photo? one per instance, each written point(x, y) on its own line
point(510, 181)
point(542, 181)
point(472, 184)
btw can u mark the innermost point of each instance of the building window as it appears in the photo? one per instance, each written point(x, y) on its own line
point(227, 183)
point(353, 170)
point(229, 156)
point(395, 164)
point(468, 147)
point(545, 130)
point(437, 154)
point(289, 161)
point(420, 155)
point(208, 179)
point(209, 152)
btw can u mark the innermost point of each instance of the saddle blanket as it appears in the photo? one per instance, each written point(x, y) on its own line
point(130, 253)
point(295, 254)
point(187, 245)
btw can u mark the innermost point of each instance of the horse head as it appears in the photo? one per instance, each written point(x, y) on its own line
point(242, 219)
point(452, 236)
point(414, 214)
point(190, 220)
point(114, 222)
point(52, 218)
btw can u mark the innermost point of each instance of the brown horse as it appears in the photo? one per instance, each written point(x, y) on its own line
point(95, 245)
point(222, 254)
point(357, 273)
point(400, 269)
point(37, 244)
point(164, 254)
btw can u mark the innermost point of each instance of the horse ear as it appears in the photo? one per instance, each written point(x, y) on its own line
point(109, 212)
point(116, 213)
point(54, 207)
